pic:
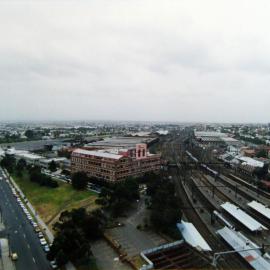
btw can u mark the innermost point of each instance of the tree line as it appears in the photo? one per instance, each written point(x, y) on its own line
point(164, 205)
point(73, 233)
point(119, 198)
point(20, 167)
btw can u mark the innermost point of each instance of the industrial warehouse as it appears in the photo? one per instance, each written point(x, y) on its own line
point(115, 164)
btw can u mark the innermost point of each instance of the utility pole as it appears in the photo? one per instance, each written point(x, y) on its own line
point(218, 254)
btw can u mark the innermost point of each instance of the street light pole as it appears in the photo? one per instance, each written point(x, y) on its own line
point(218, 254)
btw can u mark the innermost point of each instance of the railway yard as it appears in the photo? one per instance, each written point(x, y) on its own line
point(230, 213)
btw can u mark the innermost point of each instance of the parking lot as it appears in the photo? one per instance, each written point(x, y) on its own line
point(132, 240)
point(106, 257)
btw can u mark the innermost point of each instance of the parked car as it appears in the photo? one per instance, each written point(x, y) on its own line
point(54, 264)
point(46, 248)
point(37, 229)
point(43, 242)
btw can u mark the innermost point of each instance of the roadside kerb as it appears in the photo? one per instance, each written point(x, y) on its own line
point(46, 230)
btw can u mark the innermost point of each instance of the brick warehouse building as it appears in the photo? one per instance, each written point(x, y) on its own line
point(115, 164)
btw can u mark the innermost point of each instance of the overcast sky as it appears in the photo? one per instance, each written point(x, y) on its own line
point(135, 60)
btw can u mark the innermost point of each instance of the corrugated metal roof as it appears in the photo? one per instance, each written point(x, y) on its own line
point(261, 208)
point(239, 242)
point(250, 161)
point(251, 223)
point(192, 236)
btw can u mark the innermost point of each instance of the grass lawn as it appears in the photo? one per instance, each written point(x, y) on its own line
point(50, 202)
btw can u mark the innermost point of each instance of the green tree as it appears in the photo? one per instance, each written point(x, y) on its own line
point(74, 231)
point(35, 175)
point(61, 258)
point(262, 153)
point(20, 166)
point(119, 197)
point(29, 134)
point(79, 180)
point(52, 166)
point(165, 207)
point(8, 162)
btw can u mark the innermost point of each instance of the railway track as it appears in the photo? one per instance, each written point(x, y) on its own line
point(232, 261)
point(241, 191)
point(224, 197)
point(258, 193)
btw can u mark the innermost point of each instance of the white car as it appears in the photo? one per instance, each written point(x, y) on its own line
point(43, 242)
point(54, 264)
point(46, 248)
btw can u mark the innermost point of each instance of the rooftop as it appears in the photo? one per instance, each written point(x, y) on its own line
point(250, 161)
point(239, 242)
point(261, 208)
point(177, 255)
point(243, 217)
point(192, 236)
point(99, 153)
point(121, 142)
point(210, 134)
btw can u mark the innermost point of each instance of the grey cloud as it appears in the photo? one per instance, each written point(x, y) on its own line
point(137, 60)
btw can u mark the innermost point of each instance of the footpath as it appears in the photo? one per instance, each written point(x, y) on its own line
point(42, 224)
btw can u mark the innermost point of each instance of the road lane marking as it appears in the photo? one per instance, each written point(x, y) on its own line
point(34, 260)
point(28, 246)
point(24, 235)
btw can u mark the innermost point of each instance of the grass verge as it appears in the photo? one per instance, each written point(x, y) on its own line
point(50, 202)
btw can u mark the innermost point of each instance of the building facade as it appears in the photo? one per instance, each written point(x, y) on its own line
point(115, 164)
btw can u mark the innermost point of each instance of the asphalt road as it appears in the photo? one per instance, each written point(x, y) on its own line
point(23, 239)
